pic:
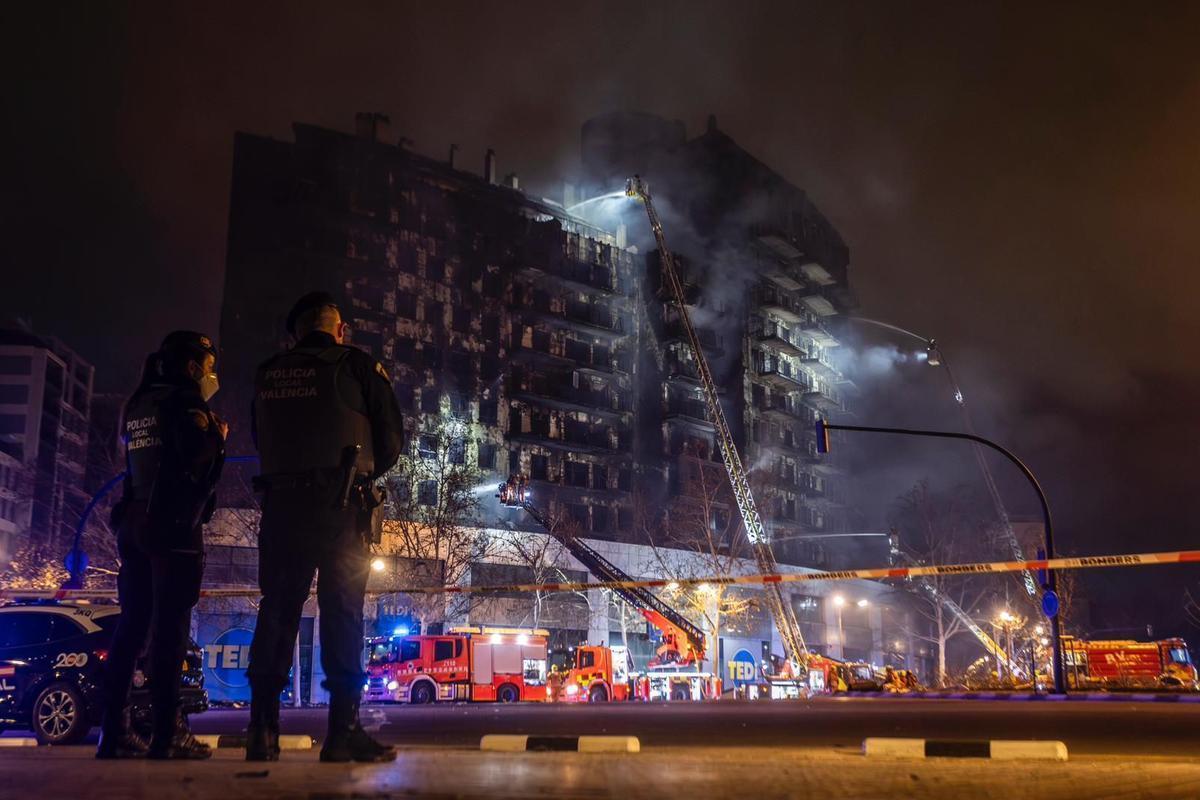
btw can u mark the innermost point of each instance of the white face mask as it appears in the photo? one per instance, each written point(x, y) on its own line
point(208, 385)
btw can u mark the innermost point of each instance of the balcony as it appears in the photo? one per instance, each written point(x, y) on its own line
point(686, 371)
point(818, 305)
point(581, 275)
point(779, 377)
point(538, 353)
point(591, 442)
point(780, 305)
point(815, 331)
point(819, 368)
point(692, 413)
point(782, 412)
point(603, 404)
point(709, 340)
point(772, 337)
point(822, 402)
point(596, 318)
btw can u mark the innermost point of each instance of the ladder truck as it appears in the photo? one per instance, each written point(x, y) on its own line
point(781, 611)
point(602, 673)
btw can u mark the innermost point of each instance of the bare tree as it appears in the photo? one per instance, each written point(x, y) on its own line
point(934, 529)
point(700, 535)
point(435, 494)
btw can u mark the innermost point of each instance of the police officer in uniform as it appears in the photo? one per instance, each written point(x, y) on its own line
point(327, 424)
point(175, 449)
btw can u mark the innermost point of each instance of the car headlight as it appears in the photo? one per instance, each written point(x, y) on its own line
point(572, 689)
point(393, 686)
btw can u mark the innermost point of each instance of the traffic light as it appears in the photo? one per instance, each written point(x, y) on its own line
point(822, 437)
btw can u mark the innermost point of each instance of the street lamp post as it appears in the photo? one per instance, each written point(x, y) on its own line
point(1051, 576)
point(839, 603)
point(935, 357)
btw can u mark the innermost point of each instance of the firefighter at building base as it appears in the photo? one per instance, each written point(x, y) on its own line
point(174, 453)
point(327, 424)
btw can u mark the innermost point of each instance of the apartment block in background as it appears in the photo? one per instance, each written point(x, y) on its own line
point(45, 401)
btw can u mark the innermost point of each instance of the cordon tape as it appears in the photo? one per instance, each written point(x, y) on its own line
point(878, 573)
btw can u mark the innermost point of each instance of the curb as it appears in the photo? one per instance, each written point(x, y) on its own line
point(18, 741)
point(1017, 697)
point(238, 741)
point(502, 743)
point(995, 749)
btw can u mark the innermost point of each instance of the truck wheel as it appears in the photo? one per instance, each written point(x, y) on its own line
point(59, 715)
point(599, 694)
point(421, 693)
point(507, 694)
point(680, 693)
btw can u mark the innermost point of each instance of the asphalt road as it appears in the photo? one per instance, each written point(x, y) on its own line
point(1111, 728)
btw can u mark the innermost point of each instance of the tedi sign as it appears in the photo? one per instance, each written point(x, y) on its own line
point(742, 668)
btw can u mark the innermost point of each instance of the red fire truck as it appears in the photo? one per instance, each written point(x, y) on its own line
point(600, 674)
point(1164, 664)
point(483, 664)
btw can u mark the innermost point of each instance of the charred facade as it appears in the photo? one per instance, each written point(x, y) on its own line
point(766, 278)
point(548, 346)
point(499, 317)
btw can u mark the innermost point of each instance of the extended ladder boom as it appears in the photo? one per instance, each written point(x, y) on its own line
point(781, 611)
point(658, 613)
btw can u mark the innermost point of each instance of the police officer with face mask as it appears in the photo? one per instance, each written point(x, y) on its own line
point(174, 450)
point(327, 424)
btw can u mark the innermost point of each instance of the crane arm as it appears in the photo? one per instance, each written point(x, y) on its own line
point(781, 611)
point(678, 632)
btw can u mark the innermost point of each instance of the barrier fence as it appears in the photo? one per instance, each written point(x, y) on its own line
point(877, 573)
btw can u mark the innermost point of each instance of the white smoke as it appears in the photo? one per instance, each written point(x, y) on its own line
point(877, 360)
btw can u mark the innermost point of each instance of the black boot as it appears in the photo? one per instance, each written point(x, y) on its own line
point(117, 740)
point(262, 735)
point(346, 740)
point(176, 742)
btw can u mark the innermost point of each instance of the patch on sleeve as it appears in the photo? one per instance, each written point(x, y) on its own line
point(382, 372)
point(199, 419)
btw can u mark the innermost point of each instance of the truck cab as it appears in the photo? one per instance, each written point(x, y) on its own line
point(597, 674)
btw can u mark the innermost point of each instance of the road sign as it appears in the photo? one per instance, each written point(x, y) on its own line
point(822, 437)
point(1050, 604)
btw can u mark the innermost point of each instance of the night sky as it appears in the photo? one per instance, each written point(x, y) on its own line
point(1020, 182)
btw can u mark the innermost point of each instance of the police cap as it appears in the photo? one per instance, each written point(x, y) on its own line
point(307, 303)
point(189, 343)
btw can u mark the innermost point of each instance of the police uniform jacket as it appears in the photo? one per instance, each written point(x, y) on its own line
point(312, 402)
point(174, 454)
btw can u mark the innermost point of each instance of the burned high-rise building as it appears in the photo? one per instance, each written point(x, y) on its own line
point(548, 346)
point(499, 317)
point(765, 276)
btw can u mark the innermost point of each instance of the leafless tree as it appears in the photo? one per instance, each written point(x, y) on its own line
point(700, 535)
point(435, 494)
point(934, 529)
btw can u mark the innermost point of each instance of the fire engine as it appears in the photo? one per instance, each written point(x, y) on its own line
point(1165, 664)
point(599, 674)
point(472, 663)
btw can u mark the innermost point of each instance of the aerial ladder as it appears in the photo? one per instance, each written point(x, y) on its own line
point(781, 611)
point(683, 643)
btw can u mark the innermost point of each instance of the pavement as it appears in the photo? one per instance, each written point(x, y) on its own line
point(1120, 729)
point(759, 773)
point(728, 749)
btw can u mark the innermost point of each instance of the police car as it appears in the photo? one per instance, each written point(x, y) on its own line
point(51, 671)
